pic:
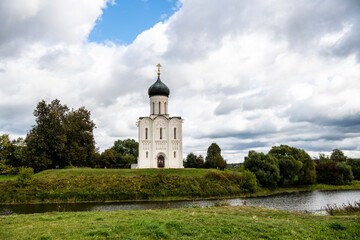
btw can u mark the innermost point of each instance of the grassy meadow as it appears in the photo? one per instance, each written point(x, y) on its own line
point(226, 222)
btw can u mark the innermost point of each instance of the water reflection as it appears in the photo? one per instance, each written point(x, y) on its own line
point(311, 201)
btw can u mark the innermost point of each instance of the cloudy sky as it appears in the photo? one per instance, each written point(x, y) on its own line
point(246, 74)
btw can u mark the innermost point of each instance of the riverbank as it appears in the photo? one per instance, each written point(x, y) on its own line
point(100, 185)
point(226, 222)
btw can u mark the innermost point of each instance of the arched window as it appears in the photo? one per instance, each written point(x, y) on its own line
point(147, 154)
point(160, 133)
point(174, 154)
point(146, 133)
point(159, 107)
point(153, 108)
point(174, 133)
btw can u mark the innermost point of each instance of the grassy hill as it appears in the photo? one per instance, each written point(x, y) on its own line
point(118, 172)
point(86, 184)
point(122, 172)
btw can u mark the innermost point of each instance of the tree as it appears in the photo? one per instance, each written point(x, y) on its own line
point(11, 152)
point(193, 161)
point(59, 137)
point(214, 158)
point(107, 158)
point(333, 172)
point(80, 143)
point(338, 156)
point(265, 167)
point(289, 169)
point(355, 167)
point(126, 152)
point(288, 165)
point(127, 146)
point(296, 166)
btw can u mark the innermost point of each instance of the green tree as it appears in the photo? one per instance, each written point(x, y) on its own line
point(265, 167)
point(355, 167)
point(338, 156)
point(11, 154)
point(288, 165)
point(59, 137)
point(127, 146)
point(107, 158)
point(332, 172)
point(214, 158)
point(296, 166)
point(193, 161)
point(45, 141)
point(126, 152)
point(80, 143)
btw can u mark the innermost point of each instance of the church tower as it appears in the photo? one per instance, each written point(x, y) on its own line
point(160, 136)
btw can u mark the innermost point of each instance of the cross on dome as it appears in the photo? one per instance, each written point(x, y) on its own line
point(159, 66)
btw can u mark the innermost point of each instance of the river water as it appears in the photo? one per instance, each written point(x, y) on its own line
point(310, 201)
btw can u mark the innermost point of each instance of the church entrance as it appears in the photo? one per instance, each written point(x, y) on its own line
point(161, 161)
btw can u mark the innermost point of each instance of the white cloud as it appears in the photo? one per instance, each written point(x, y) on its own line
point(244, 74)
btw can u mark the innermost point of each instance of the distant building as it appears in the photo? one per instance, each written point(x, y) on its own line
point(160, 136)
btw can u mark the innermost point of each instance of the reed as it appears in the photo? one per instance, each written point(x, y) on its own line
point(349, 208)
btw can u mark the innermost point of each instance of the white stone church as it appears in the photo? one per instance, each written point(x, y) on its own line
point(160, 136)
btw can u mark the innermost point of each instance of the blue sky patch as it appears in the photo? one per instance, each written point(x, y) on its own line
point(122, 22)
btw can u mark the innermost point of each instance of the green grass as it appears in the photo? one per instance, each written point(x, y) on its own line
point(4, 178)
point(242, 222)
point(123, 172)
point(106, 172)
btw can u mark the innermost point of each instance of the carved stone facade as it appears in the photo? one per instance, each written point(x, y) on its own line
point(160, 136)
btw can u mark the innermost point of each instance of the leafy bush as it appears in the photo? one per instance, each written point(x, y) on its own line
point(215, 175)
point(25, 177)
point(7, 169)
point(193, 161)
point(248, 182)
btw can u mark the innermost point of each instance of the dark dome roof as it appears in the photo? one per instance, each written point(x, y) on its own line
point(159, 88)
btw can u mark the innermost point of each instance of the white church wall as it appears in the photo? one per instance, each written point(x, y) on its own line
point(154, 105)
point(156, 133)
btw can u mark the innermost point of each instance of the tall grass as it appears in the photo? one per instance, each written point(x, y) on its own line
point(343, 209)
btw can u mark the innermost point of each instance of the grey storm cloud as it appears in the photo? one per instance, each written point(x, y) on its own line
point(306, 112)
